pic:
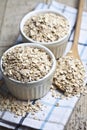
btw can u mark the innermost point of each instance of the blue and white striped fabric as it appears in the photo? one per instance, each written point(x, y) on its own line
point(52, 117)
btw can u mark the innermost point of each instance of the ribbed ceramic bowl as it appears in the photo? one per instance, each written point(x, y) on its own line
point(33, 89)
point(57, 47)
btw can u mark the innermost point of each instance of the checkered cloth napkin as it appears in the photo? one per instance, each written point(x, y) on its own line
point(52, 117)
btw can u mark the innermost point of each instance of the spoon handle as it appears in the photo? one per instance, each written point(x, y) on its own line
point(78, 25)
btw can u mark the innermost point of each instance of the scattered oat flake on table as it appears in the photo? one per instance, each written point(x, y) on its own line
point(19, 108)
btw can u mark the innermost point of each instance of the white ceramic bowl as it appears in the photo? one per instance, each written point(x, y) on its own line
point(33, 89)
point(57, 47)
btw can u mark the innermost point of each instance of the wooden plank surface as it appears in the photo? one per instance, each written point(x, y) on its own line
point(11, 12)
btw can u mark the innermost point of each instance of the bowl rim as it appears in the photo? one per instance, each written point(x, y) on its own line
point(52, 70)
point(35, 12)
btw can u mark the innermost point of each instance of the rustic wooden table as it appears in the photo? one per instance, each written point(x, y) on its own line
point(11, 12)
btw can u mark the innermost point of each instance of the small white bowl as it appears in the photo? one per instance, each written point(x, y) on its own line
point(57, 47)
point(34, 89)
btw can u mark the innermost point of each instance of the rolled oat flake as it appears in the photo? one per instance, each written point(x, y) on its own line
point(34, 63)
point(46, 27)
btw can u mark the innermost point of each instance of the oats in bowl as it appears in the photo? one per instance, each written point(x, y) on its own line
point(28, 69)
point(47, 27)
point(26, 64)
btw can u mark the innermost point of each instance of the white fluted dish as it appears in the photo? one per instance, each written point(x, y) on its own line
point(57, 47)
point(34, 89)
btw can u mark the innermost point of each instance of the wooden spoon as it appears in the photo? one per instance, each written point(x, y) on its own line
point(74, 49)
